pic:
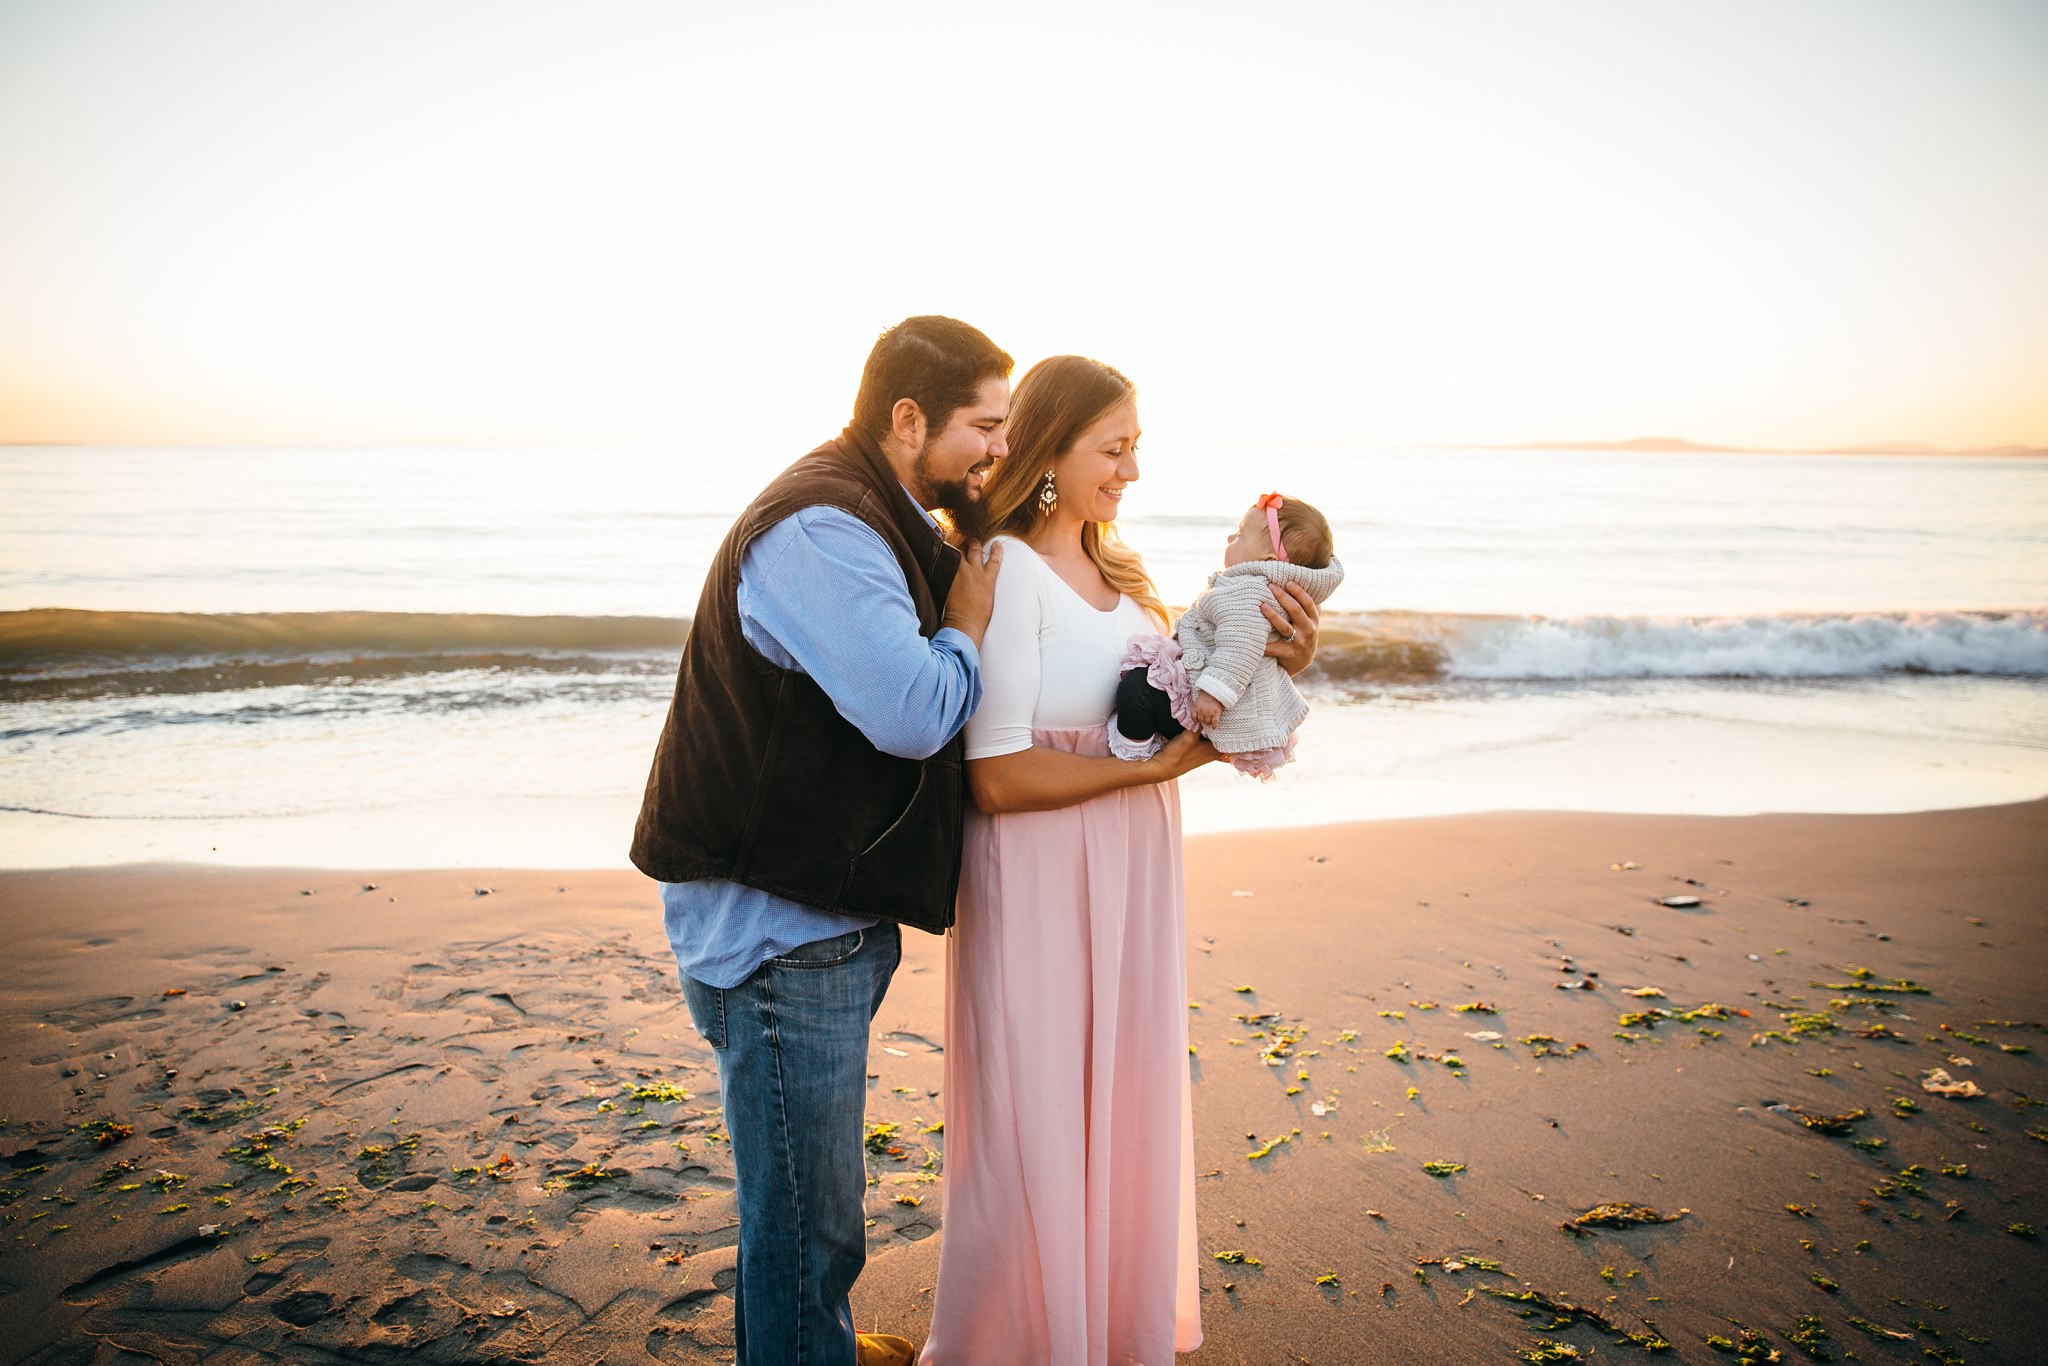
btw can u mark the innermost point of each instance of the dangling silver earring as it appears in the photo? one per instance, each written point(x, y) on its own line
point(1048, 496)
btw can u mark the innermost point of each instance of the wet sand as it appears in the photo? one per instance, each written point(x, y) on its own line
point(462, 1116)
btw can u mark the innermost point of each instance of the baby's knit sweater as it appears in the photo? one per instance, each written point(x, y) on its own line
point(1223, 637)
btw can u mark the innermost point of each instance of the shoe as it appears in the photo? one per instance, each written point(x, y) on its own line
point(883, 1349)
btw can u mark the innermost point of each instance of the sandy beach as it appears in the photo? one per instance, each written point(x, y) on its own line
point(461, 1116)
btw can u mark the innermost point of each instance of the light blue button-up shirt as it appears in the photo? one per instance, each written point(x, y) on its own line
point(821, 592)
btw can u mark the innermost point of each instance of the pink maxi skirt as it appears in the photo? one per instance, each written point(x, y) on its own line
point(1068, 1231)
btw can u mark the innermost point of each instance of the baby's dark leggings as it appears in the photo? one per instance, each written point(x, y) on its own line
point(1142, 710)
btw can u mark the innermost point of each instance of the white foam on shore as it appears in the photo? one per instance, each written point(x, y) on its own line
point(1877, 746)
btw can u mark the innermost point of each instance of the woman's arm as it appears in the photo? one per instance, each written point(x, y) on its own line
point(1039, 779)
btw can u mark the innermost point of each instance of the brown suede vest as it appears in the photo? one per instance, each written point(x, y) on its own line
point(759, 780)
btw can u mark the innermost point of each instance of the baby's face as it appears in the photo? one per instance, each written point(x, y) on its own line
point(1251, 541)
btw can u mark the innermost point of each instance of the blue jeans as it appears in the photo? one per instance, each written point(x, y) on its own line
point(792, 1046)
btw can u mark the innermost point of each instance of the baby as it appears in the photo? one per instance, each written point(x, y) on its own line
point(1213, 675)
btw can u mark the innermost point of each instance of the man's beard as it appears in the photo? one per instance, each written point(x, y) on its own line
point(963, 510)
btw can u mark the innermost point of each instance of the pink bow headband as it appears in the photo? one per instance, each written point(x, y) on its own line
point(1272, 503)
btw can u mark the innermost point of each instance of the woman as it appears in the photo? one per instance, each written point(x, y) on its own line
point(1069, 1183)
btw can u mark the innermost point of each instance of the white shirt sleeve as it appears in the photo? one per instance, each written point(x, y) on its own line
point(1010, 660)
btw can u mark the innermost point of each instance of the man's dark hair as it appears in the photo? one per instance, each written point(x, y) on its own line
point(940, 363)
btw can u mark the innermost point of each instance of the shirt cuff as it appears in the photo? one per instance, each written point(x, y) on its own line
point(962, 642)
point(1217, 689)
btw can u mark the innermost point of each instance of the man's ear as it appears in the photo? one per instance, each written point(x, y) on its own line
point(906, 424)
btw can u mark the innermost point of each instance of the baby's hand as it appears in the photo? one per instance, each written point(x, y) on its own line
point(1208, 711)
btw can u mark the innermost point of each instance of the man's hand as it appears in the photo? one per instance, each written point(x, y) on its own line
point(1294, 615)
point(1208, 709)
point(973, 595)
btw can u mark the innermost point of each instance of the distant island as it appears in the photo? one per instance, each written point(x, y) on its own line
point(1680, 444)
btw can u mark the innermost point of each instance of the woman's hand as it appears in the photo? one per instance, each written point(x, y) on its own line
point(1184, 753)
point(1295, 616)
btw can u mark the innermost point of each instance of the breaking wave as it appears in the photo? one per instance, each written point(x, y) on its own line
point(1417, 645)
point(52, 654)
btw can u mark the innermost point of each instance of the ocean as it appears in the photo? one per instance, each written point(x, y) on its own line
point(394, 657)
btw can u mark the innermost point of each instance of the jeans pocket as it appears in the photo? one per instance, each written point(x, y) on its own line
point(823, 953)
point(707, 1011)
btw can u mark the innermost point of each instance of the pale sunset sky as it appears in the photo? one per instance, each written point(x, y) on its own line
point(1774, 223)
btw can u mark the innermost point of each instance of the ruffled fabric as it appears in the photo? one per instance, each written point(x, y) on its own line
point(1159, 656)
point(1262, 763)
point(1135, 751)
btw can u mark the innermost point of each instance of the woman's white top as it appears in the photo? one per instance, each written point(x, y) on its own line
point(1048, 658)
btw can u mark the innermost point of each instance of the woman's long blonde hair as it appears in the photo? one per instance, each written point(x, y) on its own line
point(1057, 400)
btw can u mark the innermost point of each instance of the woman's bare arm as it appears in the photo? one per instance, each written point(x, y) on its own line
point(1039, 779)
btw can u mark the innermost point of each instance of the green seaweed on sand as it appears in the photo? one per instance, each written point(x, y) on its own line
point(1266, 1149)
point(1233, 1256)
point(1866, 980)
point(1831, 1124)
point(1475, 1008)
point(881, 1140)
point(1809, 1022)
point(583, 1178)
point(1462, 1261)
point(1328, 1278)
point(1810, 1336)
point(1443, 1168)
point(105, 1133)
point(1545, 1350)
point(1879, 1331)
point(255, 1150)
point(1399, 1052)
point(379, 1164)
point(1748, 1345)
point(1618, 1214)
point(1564, 1313)
point(662, 1092)
point(116, 1172)
point(1546, 1046)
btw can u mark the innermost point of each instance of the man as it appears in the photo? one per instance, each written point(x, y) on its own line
point(806, 796)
